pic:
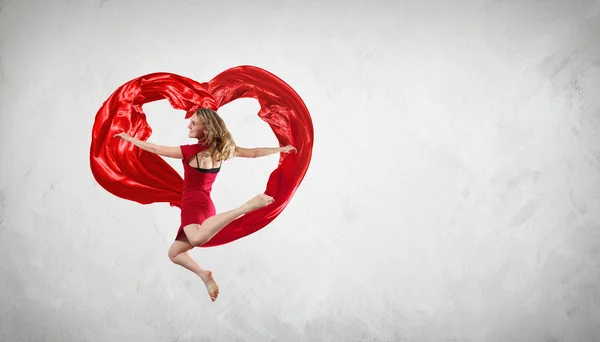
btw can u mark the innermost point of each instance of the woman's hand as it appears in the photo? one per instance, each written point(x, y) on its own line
point(288, 148)
point(123, 136)
point(144, 145)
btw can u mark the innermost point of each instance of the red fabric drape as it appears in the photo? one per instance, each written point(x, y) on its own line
point(134, 174)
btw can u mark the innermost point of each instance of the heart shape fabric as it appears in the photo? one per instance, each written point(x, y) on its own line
point(129, 172)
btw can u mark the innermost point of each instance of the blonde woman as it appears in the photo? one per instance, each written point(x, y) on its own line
point(201, 163)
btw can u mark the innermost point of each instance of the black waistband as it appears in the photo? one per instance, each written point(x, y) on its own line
point(213, 170)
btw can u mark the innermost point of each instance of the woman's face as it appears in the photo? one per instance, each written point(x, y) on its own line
point(196, 129)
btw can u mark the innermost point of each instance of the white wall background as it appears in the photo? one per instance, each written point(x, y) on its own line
point(453, 195)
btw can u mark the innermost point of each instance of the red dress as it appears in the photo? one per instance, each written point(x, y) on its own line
point(196, 204)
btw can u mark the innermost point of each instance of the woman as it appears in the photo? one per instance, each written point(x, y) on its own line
point(201, 163)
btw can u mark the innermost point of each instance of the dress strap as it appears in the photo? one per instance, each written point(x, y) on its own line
point(197, 162)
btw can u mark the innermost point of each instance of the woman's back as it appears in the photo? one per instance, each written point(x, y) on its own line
point(202, 161)
point(199, 170)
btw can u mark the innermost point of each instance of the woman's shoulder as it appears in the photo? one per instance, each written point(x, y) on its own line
point(191, 149)
point(196, 146)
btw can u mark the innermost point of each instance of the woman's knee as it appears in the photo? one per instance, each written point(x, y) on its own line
point(173, 253)
point(177, 248)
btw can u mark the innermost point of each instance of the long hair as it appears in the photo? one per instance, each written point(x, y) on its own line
point(218, 139)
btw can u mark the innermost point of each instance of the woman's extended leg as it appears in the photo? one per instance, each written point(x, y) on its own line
point(199, 234)
point(178, 253)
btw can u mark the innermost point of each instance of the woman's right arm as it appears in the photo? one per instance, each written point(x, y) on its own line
point(165, 151)
point(168, 151)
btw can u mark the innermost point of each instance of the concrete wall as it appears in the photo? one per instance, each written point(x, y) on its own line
point(453, 193)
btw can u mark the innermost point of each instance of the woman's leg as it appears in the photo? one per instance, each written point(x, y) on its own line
point(178, 253)
point(199, 234)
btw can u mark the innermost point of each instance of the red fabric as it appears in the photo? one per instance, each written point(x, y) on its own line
point(134, 174)
point(196, 204)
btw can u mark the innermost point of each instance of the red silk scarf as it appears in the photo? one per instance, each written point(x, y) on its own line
point(131, 173)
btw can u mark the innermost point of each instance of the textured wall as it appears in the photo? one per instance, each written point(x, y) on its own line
point(454, 192)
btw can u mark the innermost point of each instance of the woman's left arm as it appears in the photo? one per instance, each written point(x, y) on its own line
point(261, 151)
point(266, 151)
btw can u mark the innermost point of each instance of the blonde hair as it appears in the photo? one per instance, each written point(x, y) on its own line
point(218, 139)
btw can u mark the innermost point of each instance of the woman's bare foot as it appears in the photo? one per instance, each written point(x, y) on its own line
point(257, 202)
point(211, 285)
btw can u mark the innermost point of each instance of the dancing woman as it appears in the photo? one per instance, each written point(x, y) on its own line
point(201, 163)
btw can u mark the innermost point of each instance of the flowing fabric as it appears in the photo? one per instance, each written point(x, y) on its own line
point(129, 172)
